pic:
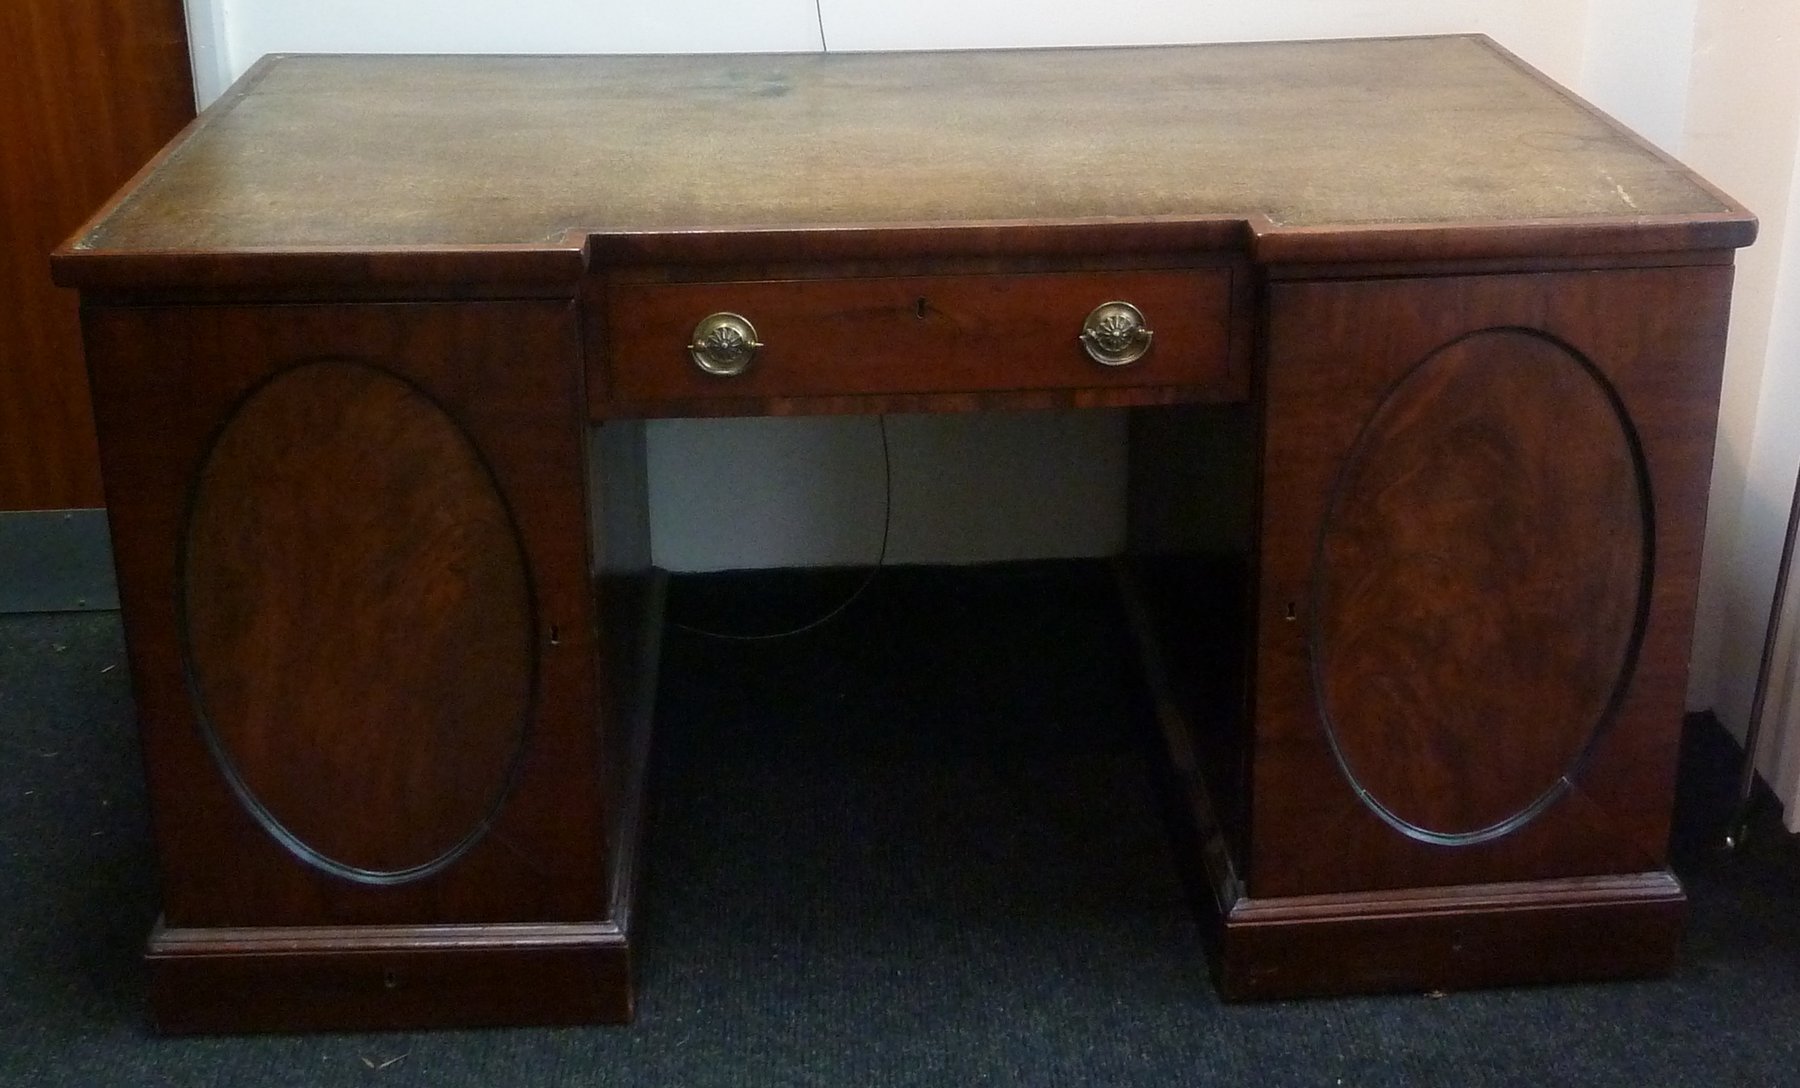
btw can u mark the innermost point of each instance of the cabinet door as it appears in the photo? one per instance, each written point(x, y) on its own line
point(1483, 503)
point(352, 558)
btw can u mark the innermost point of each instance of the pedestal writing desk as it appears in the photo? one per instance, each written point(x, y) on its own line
point(389, 603)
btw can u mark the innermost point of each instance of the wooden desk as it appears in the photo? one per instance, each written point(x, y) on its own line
point(389, 601)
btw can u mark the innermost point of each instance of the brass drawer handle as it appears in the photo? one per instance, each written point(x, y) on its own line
point(1115, 334)
point(724, 344)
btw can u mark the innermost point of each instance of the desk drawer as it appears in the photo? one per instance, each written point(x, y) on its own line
point(925, 334)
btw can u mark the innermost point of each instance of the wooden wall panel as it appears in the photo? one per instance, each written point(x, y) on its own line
point(89, 90)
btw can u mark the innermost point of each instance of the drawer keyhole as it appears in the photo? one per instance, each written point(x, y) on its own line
point(920, 307)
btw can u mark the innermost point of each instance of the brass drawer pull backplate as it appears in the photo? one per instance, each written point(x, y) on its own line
point(724, 344)
point(1114, 334)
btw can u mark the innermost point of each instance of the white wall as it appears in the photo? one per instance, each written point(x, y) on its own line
point(1550, 33)
point(1638, 63)
point(1715, 81)
point(1743, 131)
point(967, 489)
point(1768, 497)
point(240, 31)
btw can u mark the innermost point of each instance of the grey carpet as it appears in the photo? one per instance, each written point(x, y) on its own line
point(916, 848)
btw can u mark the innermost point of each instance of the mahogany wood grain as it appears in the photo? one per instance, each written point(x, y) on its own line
point(88, 91)
point(628, 593)
point(402, 274)
point(1491, 266)
point(1471, 240)
point(1155, 240)
point(1187, 628)
point(1336, 353)
point(920, 335)
point(1006, 400)
point(1443, 939)
point(508, 374)
point(358, 623)
point(1420, 938)
point(1479, 584)
point(1015, 252)
point(337, 978)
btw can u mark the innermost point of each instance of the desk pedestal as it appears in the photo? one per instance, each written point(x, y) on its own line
point(1480, 527)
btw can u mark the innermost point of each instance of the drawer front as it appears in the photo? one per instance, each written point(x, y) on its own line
point(926, 334)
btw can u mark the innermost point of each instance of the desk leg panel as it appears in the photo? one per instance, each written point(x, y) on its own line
point(1483, 502)
point(1417, 939)
point(1483, 505)
point(354, 567)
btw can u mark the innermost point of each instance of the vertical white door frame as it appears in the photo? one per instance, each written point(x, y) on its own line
point(209, 49)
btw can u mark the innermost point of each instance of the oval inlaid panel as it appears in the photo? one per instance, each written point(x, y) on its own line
point(1479, 586)
point(358, 622)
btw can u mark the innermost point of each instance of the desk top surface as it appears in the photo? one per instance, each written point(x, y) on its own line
point(372, 152)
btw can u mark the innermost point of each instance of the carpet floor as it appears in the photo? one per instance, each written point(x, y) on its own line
point(916, 847)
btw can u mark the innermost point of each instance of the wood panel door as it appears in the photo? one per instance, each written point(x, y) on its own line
point(89, 90)
point(352, 557)
point(1482, 513)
